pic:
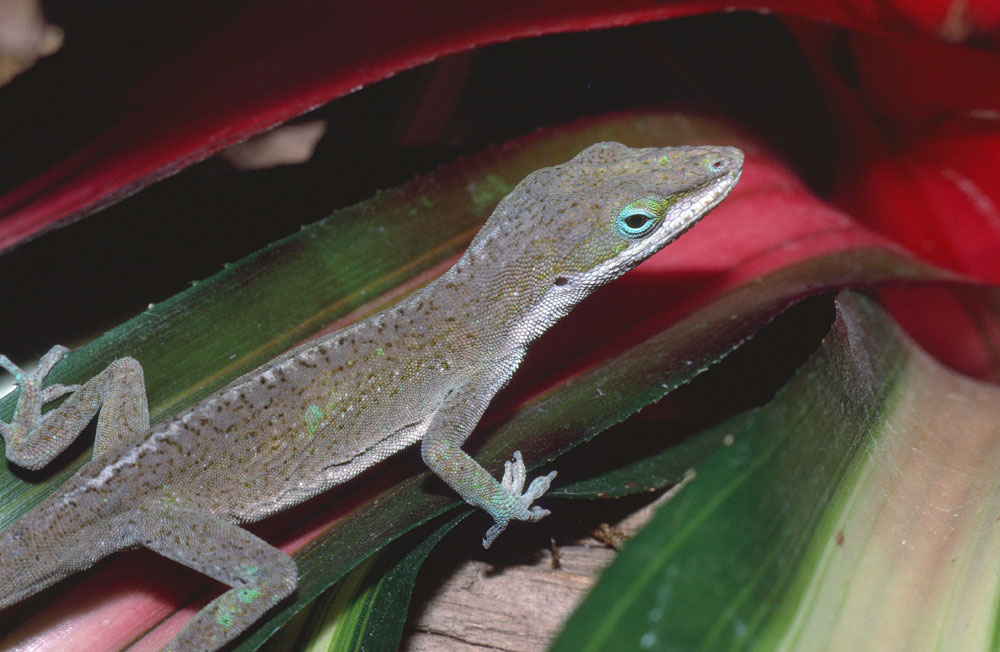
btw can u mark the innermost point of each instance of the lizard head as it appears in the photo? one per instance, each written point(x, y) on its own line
point(611, 206)
point(568, 229)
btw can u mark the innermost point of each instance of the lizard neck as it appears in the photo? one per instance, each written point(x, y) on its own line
point(505, 301)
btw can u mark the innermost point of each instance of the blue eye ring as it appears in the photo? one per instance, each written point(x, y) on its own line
point(639, 218)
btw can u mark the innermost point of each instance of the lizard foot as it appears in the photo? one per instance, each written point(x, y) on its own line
point(28, 414)
point(514, 476)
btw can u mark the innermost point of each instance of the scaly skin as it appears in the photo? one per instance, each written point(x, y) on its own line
point(424, 370)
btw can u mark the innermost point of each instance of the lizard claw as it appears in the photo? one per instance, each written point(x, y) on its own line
point(514, 474)
point(52, 392)
point(538, 487)
point(512, 482)
point(27, 415)
point(49, 360)
point(12, 369)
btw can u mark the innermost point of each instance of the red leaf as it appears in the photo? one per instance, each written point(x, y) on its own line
point(276, 60)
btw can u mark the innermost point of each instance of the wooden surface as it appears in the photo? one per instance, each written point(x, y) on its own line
point(512, 598)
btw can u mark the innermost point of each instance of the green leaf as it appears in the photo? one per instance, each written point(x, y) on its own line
point(854, 511)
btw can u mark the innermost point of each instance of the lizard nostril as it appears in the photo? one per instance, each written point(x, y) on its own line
point(561, 280)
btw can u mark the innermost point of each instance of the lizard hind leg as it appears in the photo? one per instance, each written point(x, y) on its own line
point(34, 439)
point(260, 575)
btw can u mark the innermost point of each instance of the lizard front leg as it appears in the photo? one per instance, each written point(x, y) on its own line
point(441, 451)
point(33, 439)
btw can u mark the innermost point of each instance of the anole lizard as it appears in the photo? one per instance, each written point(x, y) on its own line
point(423, 370)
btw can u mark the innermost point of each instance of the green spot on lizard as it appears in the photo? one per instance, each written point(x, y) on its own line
point(248, 595)
point(313, 417)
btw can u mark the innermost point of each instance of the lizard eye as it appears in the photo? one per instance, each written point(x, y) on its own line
point(639, 218)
